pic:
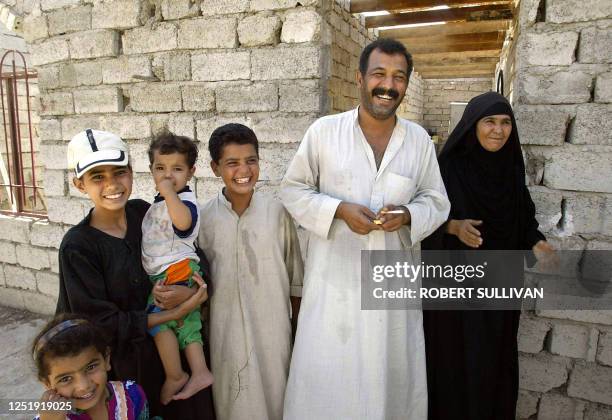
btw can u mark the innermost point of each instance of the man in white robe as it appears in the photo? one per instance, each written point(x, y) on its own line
point(349, 363)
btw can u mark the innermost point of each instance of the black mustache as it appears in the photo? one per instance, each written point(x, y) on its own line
point(388, 92)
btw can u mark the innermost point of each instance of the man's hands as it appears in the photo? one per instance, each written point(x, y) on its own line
point(360, 219)
point(466, 231)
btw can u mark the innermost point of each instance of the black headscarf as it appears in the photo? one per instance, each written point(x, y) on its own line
point(487, 186)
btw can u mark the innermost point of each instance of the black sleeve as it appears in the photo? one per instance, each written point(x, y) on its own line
point(532, 234)
point(83, 289)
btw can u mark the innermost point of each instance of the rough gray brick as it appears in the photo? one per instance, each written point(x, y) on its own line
point(215, 66)
point(175, 66)
point(570, 340)
point(127, 126)
point(38, 303)
point(45, 234)
point(54, 182)
point(527, 404)
point(258, 30)
point(275, 159)
point(35, 28)
point(558, 407)
point(595, 45)
point(69, 20)
point(282, 128)
point(53, 156)
point(94, 44)
point(19, 277)
point(205, 127)
point(126, 69)
point(577, 10)
point(301, 26)
point(178, 9)
point(207, 33)
point(31, 257)
point(548, 48)
point(591, 382)
point(578, 170)
point(558, 87)
point(182, 125)
point(56, 103)
point(548, 206)
point(531, 334)
point(155, 97)
point(252, 98)
point(73, 125)
point(54, 260)
point(47, 283)
point(46, 5)
point(300, 96)
point(542, 125)
point(15, 229)
point(590, 316)
point(593, 125)
point(285, 63)
point(257, 5)
point(222, 7)
point(8, 254)
point(48, 77)
point(584, 213)
point(80, 74)
point(198, 98)
point(541, 373)
point(118, 14)
point(161, 37)
point(50, 51)
point(598, 413)
point(65, 211)
point(98, 101)
point(604, 349)
point(603, 88)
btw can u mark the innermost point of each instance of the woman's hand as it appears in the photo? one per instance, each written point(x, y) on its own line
point(199, 297)
point(466, 231)
point(546, 255)
point(50, 396)
point(168, 297)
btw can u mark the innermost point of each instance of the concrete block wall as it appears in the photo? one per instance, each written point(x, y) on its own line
point(562, 99)
point(439, 93)
point(137, 67)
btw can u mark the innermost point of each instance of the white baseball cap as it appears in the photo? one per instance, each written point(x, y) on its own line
point(91, 148)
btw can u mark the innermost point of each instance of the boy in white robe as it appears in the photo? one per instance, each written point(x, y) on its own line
point(254, 253)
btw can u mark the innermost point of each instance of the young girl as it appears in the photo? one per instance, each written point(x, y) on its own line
point(101, 273)
point(72, 359)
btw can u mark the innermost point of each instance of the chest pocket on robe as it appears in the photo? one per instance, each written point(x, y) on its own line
point(399, 189)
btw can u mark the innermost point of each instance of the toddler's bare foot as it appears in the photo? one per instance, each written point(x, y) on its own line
point(171, 387)
point(197, 382)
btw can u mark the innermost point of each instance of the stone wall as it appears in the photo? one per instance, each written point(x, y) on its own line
point(139, 67)
point(562, 97)
point(439, 93)
point(412, 106)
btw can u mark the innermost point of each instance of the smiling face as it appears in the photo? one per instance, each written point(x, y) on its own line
point(384, 84)
point(493, 131)
point(239, 169)
point(81, 378)
point(173, 167)
point(109, 187)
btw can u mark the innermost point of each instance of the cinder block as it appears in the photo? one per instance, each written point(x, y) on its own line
point(558, 407)
point(275, 159)
point(126, 70)
point(222, 7)
point(182, 125)
point(161, 37)
point(300, 96)
point(207, 33)
point(53, 156)
point(19, 277)
point(35, 28)
point(584, 213)
point(80, 74)
point(282, 128)
point(49, 129)
point(578, 170)
point(94, 44)
point(598, 413)
point(69, 212)
point(48, 77)
point(118, 14)
point(127, 126)
point(603, 88)
point(593, 125)
point(571, 340)
point(527, 404)
point(198, 98)
point(15, 229)
point(71, 126)
point(285, 63)
point(38, 303)
point(97, 101)
point(205, 127)
point(50, 51)
point(548, 48)
point(215, 66)
point(54, 259)
point(47, 283)
point(604, 349)
point(46, 5)
point(177, 66)
point(542, 125)
point(56, 103)
point(542, 373)
point(45, 234)
point(31, 257)
point(208, 188)
point(179, 9)
point(595, 45)
point(531, 334)
point(8, 254)
point(253, 98)
point(557, 87)
point(591, 382)
point(72, 19)
point(301, 26)
point(257, 5)
point(577, 10)
point(256, 30)
point(155, 97)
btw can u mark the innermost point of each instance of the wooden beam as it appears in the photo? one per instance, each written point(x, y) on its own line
point(451, 28)
point(497, 36)
point(361, 6)
point(463, 13)
point(484, 67)
point(428, 57)
point(458, 75)
point(457, 61)
point(424, 48)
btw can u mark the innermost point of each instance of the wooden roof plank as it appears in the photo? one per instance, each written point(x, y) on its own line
point(497, 36)
point(485, 67)
point(458, 75)
point(431, 16)
point(361, 6)
point(493, 52)
point(453, 47)
point(451, 28)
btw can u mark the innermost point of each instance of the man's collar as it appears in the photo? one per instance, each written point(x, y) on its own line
point(159, 198)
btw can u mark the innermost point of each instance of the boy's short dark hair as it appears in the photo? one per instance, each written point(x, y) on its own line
point(167, 143)
point(228, 134)
point(387, 46)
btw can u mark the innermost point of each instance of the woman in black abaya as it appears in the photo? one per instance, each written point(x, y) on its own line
point(472, 356)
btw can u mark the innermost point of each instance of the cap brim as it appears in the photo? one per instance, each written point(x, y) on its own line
point(99, 158)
